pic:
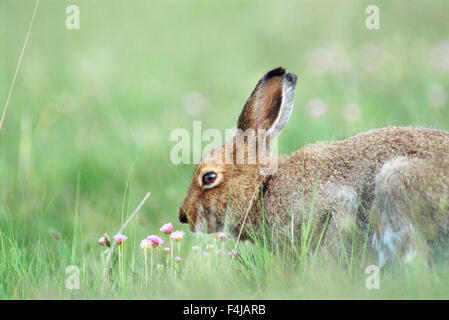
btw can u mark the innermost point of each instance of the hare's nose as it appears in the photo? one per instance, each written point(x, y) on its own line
point(182, 216)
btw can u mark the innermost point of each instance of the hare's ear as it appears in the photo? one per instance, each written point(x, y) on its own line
point(270, 104)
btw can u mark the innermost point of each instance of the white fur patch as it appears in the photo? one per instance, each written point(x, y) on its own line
point(347, 194)
point(389, 242)
point(389, 168)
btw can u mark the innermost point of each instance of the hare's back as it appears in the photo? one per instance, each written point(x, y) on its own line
point(394, 141)
point(361, 156)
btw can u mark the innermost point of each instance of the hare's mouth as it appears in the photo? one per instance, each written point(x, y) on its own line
point(202, 228)
point(210, 223)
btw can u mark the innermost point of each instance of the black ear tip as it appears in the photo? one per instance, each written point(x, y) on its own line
point(278, 72)
point(291, 77)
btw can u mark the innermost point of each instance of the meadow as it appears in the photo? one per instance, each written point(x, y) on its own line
point(87, 135)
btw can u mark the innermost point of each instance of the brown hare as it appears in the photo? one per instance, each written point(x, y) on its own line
point(389, 185)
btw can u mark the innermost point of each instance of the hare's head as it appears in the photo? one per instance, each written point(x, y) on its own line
point(227, 182)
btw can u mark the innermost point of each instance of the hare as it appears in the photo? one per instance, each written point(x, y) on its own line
point(389, 185)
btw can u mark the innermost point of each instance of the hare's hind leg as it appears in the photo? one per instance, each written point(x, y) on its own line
point(409, 208)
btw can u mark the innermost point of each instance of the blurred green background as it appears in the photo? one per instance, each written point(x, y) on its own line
point(97, 105)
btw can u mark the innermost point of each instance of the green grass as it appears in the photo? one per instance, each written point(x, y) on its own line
point(87, 133)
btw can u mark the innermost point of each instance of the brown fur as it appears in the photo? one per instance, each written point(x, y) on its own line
point(394, 179)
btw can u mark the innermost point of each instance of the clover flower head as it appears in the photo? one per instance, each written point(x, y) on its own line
point(219, 235)
point(160, 267)
point(120, 238)
point(167, 250)
point(195, 248)
point(104, 241)
point(178, 259)
point(219, 252)
point(146, 244)
point(209, 247)
point(233, 253)
point(206, 254)
point(167, 228)
point(155, 240)
point(177, 236)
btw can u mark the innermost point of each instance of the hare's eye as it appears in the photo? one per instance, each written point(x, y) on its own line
point(209, 178)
